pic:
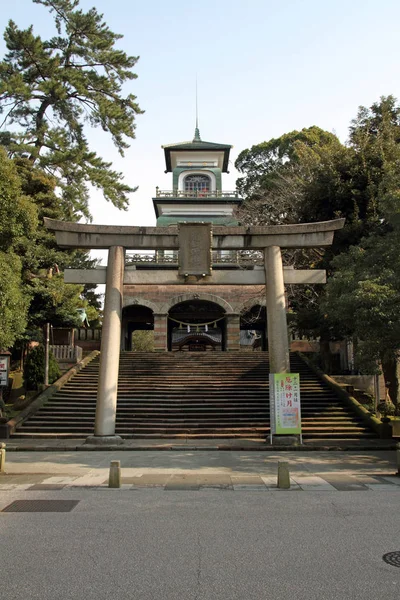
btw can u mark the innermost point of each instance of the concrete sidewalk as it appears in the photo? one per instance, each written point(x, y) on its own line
point(193, 444)
point(94, 466)
point(195, 468)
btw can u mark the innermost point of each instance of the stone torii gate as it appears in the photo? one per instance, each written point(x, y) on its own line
point(194, 242)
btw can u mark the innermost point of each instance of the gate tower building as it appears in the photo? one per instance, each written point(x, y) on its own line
point(196, 317)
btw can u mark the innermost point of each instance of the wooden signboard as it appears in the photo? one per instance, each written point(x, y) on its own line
point(195, 249)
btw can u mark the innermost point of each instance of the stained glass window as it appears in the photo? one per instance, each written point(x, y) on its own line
point(197, 183)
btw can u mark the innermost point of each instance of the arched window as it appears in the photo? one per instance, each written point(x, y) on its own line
point(197, 183)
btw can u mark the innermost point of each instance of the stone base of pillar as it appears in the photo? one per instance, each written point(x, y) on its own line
point(285, 440)
point(104, 440)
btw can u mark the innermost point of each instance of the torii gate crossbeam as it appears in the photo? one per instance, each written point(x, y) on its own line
point(119, 238)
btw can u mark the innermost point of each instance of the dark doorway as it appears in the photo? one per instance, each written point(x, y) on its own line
point(253, 328)
point(196, 325)
point(137, 318)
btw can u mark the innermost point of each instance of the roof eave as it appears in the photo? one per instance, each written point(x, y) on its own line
point(168, 149)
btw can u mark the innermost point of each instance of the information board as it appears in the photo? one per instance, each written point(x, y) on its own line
point(4, 371)
point(285, 410)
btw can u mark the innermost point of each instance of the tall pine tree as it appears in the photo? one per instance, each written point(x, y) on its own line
point(49, 91)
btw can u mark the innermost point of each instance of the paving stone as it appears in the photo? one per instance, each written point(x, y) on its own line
point(212, 482)
point(124, 487)
point(155, 480)
point(369, 479)
point(270, 480)
point(249, 483)
point(250, 488)
point(130, 480)
point(21, 479)
point(17, 487)
point(384, 487)
point(59, 480)
point(87, 481)
point(247, 479)
point(182, 482)
point(395, 479)
point(312, 483)
point(345, 483)
point(46, 486)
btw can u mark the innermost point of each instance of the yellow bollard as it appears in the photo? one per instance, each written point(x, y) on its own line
point(114, 480)
point(2, 457)
point(283, 475)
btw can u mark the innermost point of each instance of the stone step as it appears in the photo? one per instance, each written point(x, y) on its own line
point(139, 425)
point(131, 402)
point(179, 395)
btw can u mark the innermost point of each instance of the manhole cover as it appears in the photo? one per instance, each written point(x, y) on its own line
point(392, 558)
point(41, 506)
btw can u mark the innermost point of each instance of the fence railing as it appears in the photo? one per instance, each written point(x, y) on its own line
point(194, 194)
point(296, 337)
point(67, 353)
point(88, 334)
point(219, 257)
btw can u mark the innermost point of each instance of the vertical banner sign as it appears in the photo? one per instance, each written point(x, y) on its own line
point(284, 396)
point(4, 371)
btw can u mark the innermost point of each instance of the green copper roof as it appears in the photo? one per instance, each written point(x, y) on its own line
point(196, 144)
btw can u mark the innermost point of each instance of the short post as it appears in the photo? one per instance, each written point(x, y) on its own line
point(46, 353)
point(114, 479)
point(2, 457)
point(283, 475)
point(398, 458)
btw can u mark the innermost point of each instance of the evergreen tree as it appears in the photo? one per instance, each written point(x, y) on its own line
point(364, 293)
point(18, 221)
point(49, 89)
point(43, 262)
point(318, 179)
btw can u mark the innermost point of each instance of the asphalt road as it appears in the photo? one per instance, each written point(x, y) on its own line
point(207, 545)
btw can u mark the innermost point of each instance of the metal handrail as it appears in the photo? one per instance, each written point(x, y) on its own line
point(194, 194)
point(218, 257)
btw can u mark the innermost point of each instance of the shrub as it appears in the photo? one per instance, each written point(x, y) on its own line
point(34, 368)
point(387, 408)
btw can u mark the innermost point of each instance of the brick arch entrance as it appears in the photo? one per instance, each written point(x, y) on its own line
point(253, 327)
point(196, 325)
point(136, 318)
point(166, 307)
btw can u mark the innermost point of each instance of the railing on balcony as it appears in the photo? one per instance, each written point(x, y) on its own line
point(194, 194)
point(156, 258)
point(219, 257)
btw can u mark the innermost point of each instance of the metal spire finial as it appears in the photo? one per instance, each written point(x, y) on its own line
point(197, 137)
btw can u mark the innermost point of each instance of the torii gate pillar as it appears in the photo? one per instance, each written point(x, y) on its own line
point(278, 342)
point(106, 406)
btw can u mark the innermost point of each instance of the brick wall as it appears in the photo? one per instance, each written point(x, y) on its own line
point(236, 296)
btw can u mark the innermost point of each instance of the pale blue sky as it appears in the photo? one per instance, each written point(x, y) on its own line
point(264, 68)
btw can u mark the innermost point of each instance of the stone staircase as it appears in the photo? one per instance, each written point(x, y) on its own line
point(197, 395)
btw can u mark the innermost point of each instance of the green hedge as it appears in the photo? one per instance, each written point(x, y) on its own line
point(34, 368)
